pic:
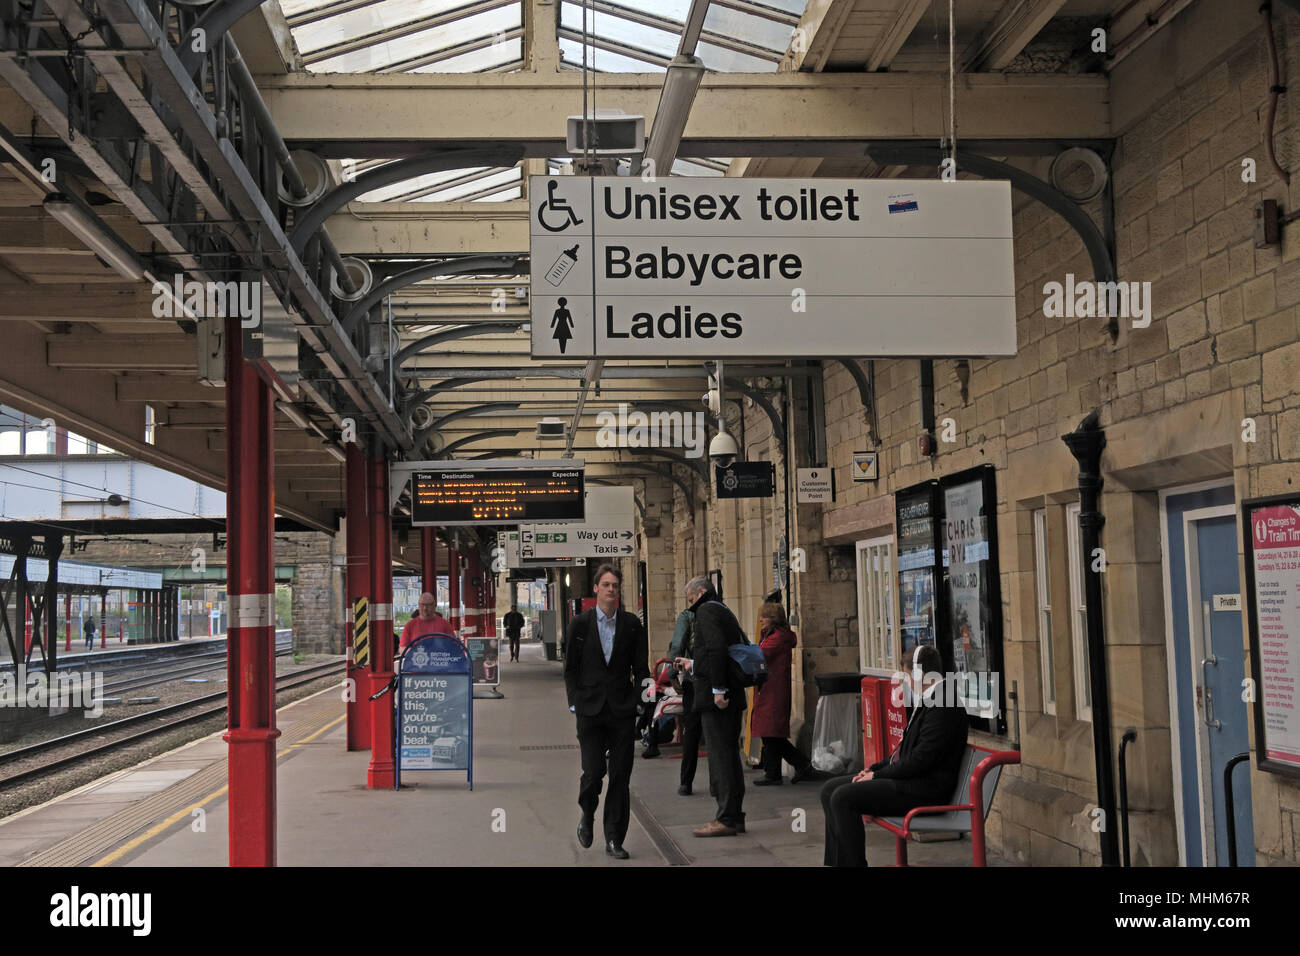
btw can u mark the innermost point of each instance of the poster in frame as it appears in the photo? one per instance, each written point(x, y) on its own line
point(1270, 533)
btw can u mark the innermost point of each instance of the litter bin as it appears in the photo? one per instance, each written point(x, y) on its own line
point(837, 725)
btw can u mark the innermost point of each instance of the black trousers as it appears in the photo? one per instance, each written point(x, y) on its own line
point(726, 777)
point(844, 802)
point(692, 732)
point(776, 749)
point(596, 736)
point(514, 647)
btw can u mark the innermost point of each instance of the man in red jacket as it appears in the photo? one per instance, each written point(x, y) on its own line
point(429, 622)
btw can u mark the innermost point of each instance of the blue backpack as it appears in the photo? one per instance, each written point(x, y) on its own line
point(747, 657)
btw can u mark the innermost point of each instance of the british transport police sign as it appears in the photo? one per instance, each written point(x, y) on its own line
point(770, 267)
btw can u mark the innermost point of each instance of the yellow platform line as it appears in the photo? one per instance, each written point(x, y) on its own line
point(180, 815)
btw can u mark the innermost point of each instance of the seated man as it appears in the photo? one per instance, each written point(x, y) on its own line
point(922, 770)
point(429, 621)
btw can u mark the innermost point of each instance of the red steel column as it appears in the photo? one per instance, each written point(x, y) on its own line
point(358, 586)
point(453, 584)
point(474, 592)
point(382, 770)
point(250, 641)
point(429, 561)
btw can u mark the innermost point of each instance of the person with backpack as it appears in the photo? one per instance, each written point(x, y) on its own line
point(683, 646)
point(770, 718)
point(719, 690)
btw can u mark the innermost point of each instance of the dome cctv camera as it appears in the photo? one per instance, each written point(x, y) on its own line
point(723, 450)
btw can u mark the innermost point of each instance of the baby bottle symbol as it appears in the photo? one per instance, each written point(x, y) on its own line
point(566, 261)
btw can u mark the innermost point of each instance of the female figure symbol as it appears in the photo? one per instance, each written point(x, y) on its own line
point(562, 322)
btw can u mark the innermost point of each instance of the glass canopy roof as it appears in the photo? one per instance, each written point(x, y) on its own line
point(455, 36)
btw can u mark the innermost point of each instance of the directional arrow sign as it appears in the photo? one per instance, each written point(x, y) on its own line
point(582, 541)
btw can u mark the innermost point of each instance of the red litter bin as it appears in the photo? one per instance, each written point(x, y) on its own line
point(873, 726)
point(891, 705)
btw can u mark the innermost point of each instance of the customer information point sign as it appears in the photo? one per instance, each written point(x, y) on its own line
point(770, 267)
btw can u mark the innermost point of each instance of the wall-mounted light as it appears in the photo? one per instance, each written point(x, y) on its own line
point(87, 227)
point(963, 377)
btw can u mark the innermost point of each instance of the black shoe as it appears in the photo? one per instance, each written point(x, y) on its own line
point(809, 773)
point(648, 753)
point(615, 850)
point(684, 790)
point(584, 832)
point(768, 782)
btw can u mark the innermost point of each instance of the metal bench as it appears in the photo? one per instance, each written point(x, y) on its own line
point(977, 779)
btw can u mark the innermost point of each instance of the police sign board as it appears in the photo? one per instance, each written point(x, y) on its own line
point(770, 267)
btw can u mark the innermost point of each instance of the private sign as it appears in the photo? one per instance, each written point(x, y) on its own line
point(762, 268)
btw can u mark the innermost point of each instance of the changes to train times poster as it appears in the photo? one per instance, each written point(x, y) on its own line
point(1271, 528)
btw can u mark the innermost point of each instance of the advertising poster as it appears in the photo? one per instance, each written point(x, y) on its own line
point(966, 547)
point(435, 717)
point(1273, 567)
point(916, 568)
point(485, 659)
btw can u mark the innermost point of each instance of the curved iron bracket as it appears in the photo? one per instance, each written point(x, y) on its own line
point(424, 434)
point(866, 383)
point(699, 470)
point(397, 172)
point(216, 21)
point(425, 394)
point(778, 423)
point(447, 335)
point(662, 472)
point(478, 436)
point(1099, 250)
point(429, 270)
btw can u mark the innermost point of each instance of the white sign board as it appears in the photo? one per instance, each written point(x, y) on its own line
point(607, 530)
point(770, 267)
point(813, 485)
point(865, 466)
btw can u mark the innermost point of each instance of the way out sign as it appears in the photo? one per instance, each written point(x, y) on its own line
point(770, 267)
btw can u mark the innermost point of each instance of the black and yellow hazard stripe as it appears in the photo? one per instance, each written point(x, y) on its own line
point(361, 632)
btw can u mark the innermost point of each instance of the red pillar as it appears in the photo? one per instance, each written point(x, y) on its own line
point(474, 593)
point(429, 561)
point(358, 586)
point(381, 772)
point(453, 585)
point(250, 641)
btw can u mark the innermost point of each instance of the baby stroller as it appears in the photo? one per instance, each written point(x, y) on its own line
point(657, 722)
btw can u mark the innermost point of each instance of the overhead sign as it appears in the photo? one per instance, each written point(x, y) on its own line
point(814, 485)
point(746, 479)
point(460, 495)
point(607, 531)
point(865, 466)
point(508, 541)
point(771, 267)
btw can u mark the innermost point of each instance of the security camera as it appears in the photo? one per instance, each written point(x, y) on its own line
point(723, 449)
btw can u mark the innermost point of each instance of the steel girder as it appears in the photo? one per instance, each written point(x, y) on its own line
point(467, 265)
point(181, 130)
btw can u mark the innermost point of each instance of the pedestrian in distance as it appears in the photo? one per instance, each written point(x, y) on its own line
point(770, 718)
point(513, 622)
point(720, 701)
point(89, 629)
point(922, 770)
point(605, 672)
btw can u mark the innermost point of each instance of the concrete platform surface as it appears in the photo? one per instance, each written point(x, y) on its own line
point(522, 812)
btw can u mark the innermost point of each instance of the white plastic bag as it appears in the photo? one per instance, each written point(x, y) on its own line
point(837, 734)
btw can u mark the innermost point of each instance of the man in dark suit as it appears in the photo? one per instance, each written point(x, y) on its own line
point(922, 771)
point(605, 672)
point(720, 701)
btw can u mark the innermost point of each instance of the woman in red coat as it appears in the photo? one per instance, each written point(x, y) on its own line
point(770, 718)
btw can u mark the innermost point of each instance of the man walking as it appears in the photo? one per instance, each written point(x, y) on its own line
point(604, 671)
point(513, 622)
point(89, 629)
point(720, 701)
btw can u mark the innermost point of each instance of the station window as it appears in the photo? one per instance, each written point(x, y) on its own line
point(1078, 616)
point(877, 630)
point(1046, 658)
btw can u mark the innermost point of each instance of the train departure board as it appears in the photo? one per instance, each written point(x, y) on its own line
point(496, 496)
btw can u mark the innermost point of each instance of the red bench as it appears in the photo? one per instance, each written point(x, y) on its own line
point(976, 782)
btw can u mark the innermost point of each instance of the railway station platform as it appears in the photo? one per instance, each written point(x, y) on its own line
point(171, 811)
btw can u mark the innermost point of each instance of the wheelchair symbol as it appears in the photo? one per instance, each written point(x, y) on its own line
point(560, 206)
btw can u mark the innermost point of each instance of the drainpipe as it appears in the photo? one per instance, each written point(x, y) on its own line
point(1086, 443)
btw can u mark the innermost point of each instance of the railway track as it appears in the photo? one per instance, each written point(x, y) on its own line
point(184, 713)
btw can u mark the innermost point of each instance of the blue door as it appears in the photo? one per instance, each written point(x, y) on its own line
point(1205, 602)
